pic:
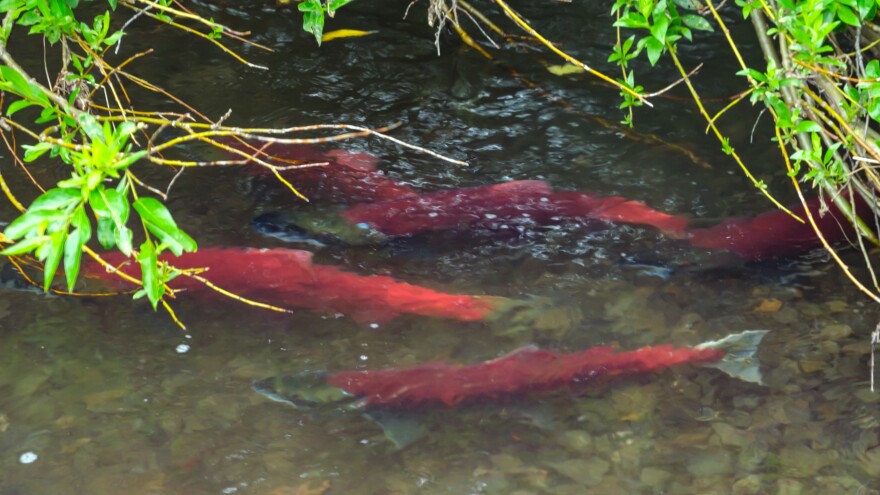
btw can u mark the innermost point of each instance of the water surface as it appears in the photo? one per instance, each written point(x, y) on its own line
point(100, 391)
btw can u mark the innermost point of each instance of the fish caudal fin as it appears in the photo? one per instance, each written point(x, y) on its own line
point(740, 355)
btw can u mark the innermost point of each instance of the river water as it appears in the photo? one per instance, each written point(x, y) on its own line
point(112, 398)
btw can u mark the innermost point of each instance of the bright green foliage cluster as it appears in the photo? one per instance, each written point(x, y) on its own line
point(98, 145)
point(664, 26)
point(99, 195)
point(313, 14)
point(821, 82)
point(819, 96)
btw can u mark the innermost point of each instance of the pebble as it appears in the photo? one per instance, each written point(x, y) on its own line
point(588, 472)
point(506, 462)
point(835, 331)
point(730, 435)
point(787, 316)
point(746, 401)
point(654, 477)
point(27, 458)
point(801, 461)
point(708, 464)
point(810, 310)
point(837, 306)
point(750, 485)
point(106, 401)
point(577, 440)
point(865, 395)
point(788, 486)
point(752, 456)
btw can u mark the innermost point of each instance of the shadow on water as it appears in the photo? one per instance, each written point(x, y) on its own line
point(113, 398)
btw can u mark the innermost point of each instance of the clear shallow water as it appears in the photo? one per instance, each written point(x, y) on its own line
point(97, 389)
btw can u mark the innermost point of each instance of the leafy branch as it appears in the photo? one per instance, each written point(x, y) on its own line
point(104, 145)
point(823, 97)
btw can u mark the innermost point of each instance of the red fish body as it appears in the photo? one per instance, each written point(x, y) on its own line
point(527, 201)
point(287, 277)
point(776, 233)
point(347, 177)
point(526, 371)
point(392, 208)
point(529, 370)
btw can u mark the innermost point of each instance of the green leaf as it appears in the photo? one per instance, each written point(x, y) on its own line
point(310, 6)
point(18, 105)
point(807, 126)
point(661, 25)
point(24, 224)
point(313, 22)
point(106, 232)
point(128, 159)
point(633, 20)
point(846, 15)
point(72, 257)
point(110, 205)
point(90, 126)
point(655, 49)
point(150, 272)
point(80, 221)
point(31, 153)
point(14, 78)
point(123, 238)
point(6, 5)
point(697, 22)
point(25, 246)
point(688, 4)
point(56, 199)
point(50, 265)
point(872, 70)
point(158, 220)
point(334, 5)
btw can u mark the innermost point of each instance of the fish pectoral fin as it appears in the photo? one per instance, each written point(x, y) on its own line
point(401, 429)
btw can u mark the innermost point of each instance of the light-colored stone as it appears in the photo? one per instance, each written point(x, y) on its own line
point(708, 464)
point(750, 485)
point(587, 472)
point(788, 486)
point(835, 331)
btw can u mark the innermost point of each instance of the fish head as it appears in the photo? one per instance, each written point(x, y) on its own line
point(275, 224)
point(310, 390)
point(317, 227)
point(306, 390)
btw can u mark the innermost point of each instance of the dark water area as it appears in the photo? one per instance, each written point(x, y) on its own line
point(113, 398)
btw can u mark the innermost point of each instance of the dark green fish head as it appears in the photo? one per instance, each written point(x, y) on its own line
point(309, 391)
point(303, 391)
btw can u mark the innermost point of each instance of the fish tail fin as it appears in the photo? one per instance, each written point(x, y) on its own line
point(740, 355)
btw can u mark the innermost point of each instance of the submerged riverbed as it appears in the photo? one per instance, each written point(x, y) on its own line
point(104, 396)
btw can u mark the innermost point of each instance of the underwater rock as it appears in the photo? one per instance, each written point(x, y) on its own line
point(730, 435)
point(587, 472)
point(654, 477)
point(708, 464)
point(788, 486)
point(750, 485)
point(577, 440)
point(801, 461)
point(835, 331)
point(837, 306)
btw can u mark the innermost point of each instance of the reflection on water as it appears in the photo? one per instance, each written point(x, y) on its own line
point(113, 398)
